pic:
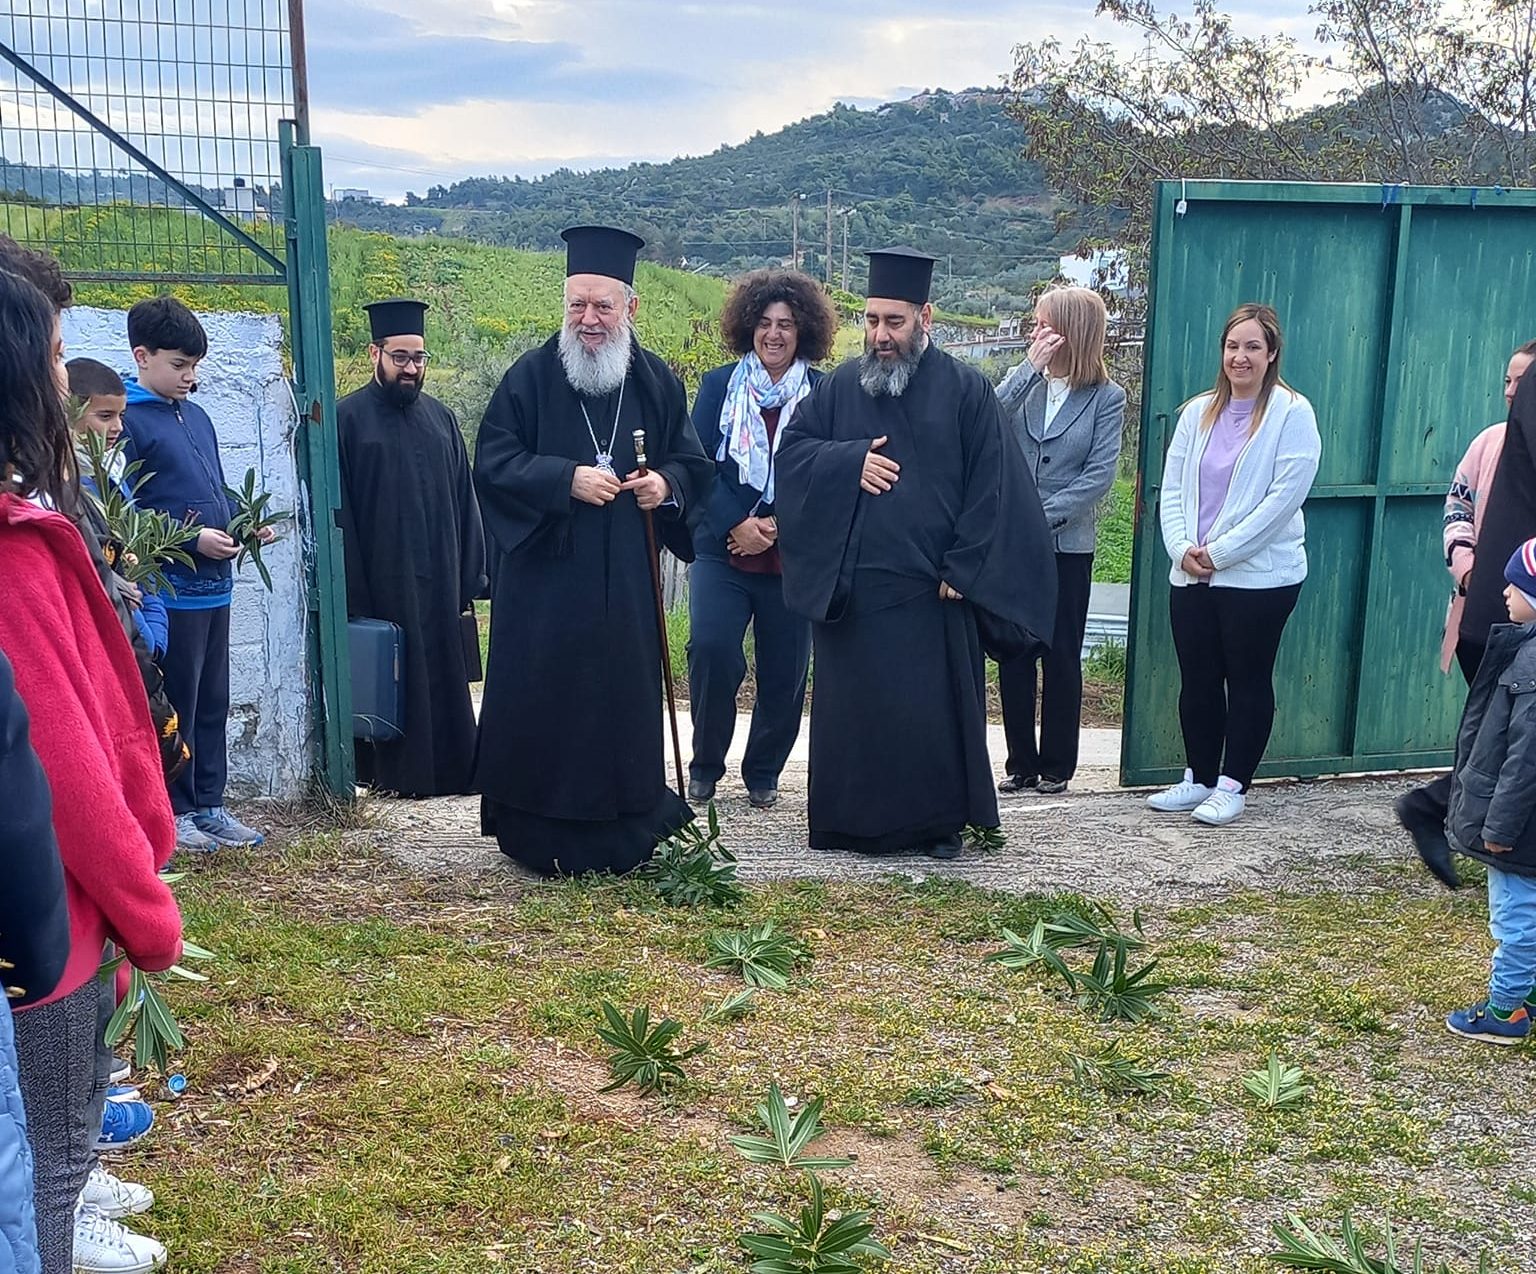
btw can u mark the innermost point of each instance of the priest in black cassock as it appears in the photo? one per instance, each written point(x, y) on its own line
point(911, 535)
point(571, 765)
point(415, 552)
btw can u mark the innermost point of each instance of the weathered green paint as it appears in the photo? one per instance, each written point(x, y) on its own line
point(1400, 306)
point(314, 375)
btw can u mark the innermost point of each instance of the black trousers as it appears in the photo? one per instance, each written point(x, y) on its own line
point(722, 601)
point(1227, 640)
point(1059, 683)
point(1433, 801)
point(196, 668)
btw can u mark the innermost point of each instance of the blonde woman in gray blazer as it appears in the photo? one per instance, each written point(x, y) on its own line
point(1068, 417)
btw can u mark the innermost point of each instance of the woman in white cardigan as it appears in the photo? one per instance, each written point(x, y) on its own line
point(1239, 468)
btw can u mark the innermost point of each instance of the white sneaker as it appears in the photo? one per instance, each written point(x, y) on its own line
point(102, 1246)
point(1181, 797)
point(115, 1197)
point(1223, 806)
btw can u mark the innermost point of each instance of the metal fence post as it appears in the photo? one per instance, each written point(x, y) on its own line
point(314, 374)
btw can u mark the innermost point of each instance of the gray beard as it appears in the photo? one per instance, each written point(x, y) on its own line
point(596, 374)
point(880, 379)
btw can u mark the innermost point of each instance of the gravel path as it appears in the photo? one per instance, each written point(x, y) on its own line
point(1097, 838)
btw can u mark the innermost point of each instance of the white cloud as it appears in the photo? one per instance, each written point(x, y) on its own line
point(645, 79)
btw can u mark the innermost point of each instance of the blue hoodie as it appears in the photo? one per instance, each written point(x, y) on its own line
point(182, 476)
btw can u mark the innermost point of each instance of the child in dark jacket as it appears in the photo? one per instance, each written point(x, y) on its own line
point(1493, 797)
point(175, 441)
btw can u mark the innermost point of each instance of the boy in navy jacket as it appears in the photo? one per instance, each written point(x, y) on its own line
point(1493, 798)
point(175, 441)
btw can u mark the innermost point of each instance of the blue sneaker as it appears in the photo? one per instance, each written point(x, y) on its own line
point(1479, 1023)
point(217, 823)
point(123, 1123)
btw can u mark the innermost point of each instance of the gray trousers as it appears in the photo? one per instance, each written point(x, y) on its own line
point(58, 1051)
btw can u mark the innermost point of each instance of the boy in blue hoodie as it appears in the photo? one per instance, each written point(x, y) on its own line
point(1493, 798)
point(175, 441)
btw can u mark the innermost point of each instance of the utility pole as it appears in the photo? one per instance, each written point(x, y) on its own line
point(827, 272)
point(846, 212)
point(794, 209)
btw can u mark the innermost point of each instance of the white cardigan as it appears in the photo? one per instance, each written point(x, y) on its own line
point(1259, 537)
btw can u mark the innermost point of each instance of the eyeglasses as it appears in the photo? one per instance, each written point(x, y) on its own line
point(576, 308)
point(402, 360)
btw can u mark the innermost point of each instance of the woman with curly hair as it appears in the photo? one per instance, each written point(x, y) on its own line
point(780, 322)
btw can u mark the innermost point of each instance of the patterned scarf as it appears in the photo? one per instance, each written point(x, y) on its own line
point(744, 436)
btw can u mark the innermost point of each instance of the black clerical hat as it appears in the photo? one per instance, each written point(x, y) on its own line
point(900, 274)
point(397, 317)
point(601, 250)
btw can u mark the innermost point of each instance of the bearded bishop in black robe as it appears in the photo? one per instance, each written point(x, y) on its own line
point(912, 537)
point(571, 766)
point(415, 553)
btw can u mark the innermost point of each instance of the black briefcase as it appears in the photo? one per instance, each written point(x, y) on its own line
point(378, 666)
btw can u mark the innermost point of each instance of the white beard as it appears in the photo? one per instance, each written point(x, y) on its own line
point(599, 372)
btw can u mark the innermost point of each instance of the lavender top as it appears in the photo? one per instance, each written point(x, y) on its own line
point(1229, 435)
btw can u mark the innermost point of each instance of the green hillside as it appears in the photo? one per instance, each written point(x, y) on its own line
point(488, 304)
point(944, 173)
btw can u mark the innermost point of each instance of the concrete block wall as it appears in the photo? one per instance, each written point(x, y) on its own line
point(244, 389)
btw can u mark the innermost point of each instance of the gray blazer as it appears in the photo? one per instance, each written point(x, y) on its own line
point(1073, 462)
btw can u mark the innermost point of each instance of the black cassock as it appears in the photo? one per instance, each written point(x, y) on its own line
point(571, 766)
point(415, 555)
point(898, 714)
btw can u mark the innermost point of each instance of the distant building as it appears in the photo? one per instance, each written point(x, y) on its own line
point(1104, 271)
point(342, 193)
point(245, 201)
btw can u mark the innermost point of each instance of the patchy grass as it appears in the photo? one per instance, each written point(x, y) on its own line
point(391, 1073)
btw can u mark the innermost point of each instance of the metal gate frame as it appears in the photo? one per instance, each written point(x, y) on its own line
point(305, 271)
point(1147, 756)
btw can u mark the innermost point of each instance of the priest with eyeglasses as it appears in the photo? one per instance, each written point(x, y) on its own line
point(415, 552)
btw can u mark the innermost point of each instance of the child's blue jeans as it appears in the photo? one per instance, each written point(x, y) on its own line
point(1512, 922)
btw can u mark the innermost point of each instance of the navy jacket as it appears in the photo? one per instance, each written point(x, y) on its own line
point(34, 919)
point(34, 944)
point(1493, 788)
point(183, 477)
point(731, 500)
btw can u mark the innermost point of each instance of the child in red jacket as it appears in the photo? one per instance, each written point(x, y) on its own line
point(91, 731)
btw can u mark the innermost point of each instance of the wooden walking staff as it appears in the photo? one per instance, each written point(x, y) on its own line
point(661, 617)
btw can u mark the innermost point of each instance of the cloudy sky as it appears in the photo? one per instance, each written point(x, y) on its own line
point(411, 93)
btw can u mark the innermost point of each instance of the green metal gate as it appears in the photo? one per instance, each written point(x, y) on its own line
point(1400, 306)
point(149, 142)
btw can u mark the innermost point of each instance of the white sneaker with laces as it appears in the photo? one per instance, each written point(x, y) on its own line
point(1224, 805)
point(115, 1197)
point(1181, 797)
point(102, 1246)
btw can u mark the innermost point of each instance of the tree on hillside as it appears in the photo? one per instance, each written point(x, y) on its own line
point(1433, 91)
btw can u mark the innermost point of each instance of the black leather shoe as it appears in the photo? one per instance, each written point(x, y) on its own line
point(1013, 784)
point(1428, 832)
point(1051, 787)
point(763, 798)
point(945, 848)
point(700, 791)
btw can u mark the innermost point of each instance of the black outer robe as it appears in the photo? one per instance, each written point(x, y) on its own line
point(1509, 522)
point(898, 719)
point(571, 763)
point(415, 556)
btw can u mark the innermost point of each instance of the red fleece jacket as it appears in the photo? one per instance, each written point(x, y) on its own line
point(92, 732)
